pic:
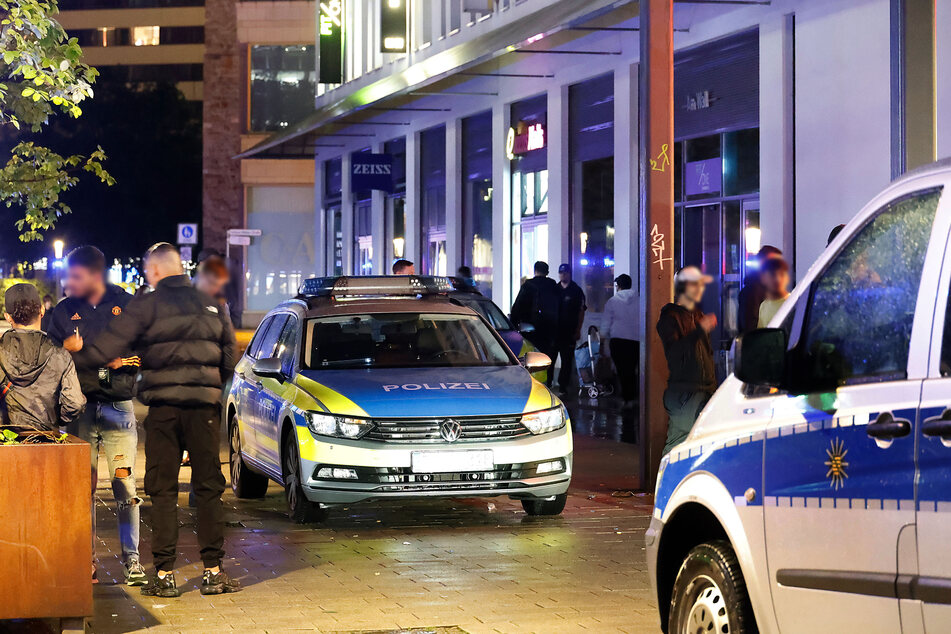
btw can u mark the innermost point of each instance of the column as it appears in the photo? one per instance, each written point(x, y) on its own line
point(625, 172)
point(559, 178)
point(454, 180)
point(502, 292)
point(321, 249)
point(346, 213)
point(377, 220)
point(411, 249)
point(943, 71)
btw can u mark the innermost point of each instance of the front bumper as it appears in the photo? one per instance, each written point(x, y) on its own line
point(385, 471)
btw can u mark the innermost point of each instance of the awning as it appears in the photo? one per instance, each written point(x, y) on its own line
point(298, 140)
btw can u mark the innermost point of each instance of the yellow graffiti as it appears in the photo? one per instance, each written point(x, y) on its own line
point(662, 161)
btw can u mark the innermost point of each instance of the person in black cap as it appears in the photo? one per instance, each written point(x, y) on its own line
point(537, 304)
point(571, 309)
point(38, 383)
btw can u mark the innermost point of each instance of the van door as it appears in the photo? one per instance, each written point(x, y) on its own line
point(254, 397)
point(274, 394)
point(933, 585)
point(839, 469)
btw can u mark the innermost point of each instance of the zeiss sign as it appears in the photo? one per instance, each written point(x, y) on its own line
point(371, 171)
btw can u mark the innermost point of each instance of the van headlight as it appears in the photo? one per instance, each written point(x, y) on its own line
point(546, 420)
point(337, 426)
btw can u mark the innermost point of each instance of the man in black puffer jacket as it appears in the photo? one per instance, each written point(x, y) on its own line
point(187, 348)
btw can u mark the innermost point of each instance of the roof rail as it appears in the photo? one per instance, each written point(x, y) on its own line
point(375, 286)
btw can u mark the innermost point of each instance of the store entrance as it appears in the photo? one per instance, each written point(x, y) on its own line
point(531, 236)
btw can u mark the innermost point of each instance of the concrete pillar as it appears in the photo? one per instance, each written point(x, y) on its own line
point(346, 213)
point(502, 292)
point(322, 248)
point(411, 249)
point(625, 172)
point(454, 250)
point(377, 222)
point(777, 134)
point(559, 178)
point(942, 72)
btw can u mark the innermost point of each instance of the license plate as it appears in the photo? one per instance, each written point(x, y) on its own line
point(452, 461)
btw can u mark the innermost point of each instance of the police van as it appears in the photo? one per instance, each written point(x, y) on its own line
point(371, 388)
point(814, 492)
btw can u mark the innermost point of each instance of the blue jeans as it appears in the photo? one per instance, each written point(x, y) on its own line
point(111, 426)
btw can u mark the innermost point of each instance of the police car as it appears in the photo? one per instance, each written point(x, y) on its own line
point(814, 492)
point(368, 388)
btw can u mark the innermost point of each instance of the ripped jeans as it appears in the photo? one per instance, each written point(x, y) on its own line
point(111, 427)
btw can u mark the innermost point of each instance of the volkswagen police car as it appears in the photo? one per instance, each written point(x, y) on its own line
point(814, 492)
point(368, 388)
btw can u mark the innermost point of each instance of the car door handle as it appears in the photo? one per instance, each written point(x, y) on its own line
point(939, 426)
point(887, 428)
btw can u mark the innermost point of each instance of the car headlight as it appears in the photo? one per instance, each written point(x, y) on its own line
point(546, 420)
point(337, 426)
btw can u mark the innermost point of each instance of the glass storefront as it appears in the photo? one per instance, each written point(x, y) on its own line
point(591, 143)
point(477, 198)
point(394, 209)
point(333, 180)
point(362, 262)
point(529, 167)
point(432, 164)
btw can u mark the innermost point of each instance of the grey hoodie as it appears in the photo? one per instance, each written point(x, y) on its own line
point(621, 316)
point(42, 389)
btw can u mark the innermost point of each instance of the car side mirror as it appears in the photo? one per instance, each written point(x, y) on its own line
point(535, 361)
point(268, 369)
point(526, 329)
point(760, 357)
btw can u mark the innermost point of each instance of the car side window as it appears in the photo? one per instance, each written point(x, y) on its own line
point(255, 346)
point(269, 342)
point(287, 345)
point(858, 325)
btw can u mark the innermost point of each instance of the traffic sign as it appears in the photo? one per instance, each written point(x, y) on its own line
point(241, 241)
point(248, 233)
point(187, 233)
point(186, 253)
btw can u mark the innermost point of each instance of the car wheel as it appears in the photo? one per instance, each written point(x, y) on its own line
point(299, 508)
point(709, 594)
point(554, 506)
point(244, 482)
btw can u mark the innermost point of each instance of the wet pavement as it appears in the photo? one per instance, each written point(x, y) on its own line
point(451, 565)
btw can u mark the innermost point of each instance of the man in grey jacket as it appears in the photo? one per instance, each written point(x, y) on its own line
point(619, 327)
point(38, 383)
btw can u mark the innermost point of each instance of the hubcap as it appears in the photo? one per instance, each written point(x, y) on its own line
point(235, 455)
point(708, 614)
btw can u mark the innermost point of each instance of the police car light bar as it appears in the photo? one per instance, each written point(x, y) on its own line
point(375, 286)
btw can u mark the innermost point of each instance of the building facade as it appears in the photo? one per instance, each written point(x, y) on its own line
point(511, 132)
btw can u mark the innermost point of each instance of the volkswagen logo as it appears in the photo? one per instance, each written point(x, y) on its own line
point(450, 430)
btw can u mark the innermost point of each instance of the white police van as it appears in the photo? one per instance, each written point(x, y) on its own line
point(814, 492)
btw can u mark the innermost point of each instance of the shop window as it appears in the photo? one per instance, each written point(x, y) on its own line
point(432, 160)
point(593, 219)
point(477, 198)
point(283, 82)
point(145, 35)
point(678, 171)
point(741, 162)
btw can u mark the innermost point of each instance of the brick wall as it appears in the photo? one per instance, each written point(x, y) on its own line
point(222, 199)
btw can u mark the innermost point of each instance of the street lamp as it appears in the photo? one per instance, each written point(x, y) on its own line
point(58, 247)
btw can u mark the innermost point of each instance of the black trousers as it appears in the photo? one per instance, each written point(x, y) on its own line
point(566, 350)
point(626, 354)
point(169, 430)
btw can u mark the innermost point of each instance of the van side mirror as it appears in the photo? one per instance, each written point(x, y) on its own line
point(760, 357)
point(268, 369)
point(535, 361)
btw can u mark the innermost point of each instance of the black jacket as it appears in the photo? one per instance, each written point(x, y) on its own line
point(71, 313)
point(571, 309)
point(185, 341)
point(42, 390)
point(537, 304)
point(688, 350)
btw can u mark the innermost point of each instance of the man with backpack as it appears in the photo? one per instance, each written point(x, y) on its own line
point(537, 304)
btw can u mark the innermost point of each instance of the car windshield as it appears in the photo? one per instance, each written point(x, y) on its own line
point(401, 340)
point(487, 308)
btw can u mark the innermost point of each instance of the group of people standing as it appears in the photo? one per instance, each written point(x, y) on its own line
point(175, 348)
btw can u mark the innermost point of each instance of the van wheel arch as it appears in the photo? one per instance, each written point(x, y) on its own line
point(287, 427)
point(690, 525)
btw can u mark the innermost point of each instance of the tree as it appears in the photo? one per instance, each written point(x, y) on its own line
point(40, 75)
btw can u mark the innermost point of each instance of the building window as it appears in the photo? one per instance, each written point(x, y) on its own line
point(432, 164)
point(529, 165)
point(477, 198)
point(283, 83)
point(145, 35)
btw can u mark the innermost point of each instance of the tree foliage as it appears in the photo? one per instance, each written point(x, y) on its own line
point(41, 75)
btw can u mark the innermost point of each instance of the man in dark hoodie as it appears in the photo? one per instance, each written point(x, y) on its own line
point(684, 330)
point(108, 421)
point(38, 383)
point(537, 304)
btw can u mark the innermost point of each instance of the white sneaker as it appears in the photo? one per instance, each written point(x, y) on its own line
point(134, 572)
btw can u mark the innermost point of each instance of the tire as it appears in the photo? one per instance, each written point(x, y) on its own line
point(299, 508)
point(593, 392)
point(709, 594)
point(545, 507)
point(245, 483)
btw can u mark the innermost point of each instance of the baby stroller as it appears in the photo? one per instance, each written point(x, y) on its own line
point(594, 374)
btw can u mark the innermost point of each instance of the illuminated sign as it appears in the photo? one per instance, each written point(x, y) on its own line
point(393, 26)
point(371, 171)
point(330, 39)
point(524, 138)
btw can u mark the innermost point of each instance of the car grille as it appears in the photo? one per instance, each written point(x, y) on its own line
point(426, 430)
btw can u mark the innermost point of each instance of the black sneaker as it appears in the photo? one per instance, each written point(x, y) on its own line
point(161, 587)
point(218, 583)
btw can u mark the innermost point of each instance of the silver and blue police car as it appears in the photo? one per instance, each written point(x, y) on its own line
point(371, 388)
point(814, 492)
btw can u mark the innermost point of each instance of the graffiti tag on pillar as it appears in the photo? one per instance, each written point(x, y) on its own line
point(662, 161)
point(658, 246)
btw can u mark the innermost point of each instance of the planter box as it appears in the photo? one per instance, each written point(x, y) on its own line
point(45, 531)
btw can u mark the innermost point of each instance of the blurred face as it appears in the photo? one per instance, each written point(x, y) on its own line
point(776, 282)
point(211, 284)
point(564, 276)
point(82, 282)
point(694, 291)
point(152, 274)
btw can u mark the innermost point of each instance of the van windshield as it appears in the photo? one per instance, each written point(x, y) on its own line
point(400, 340)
